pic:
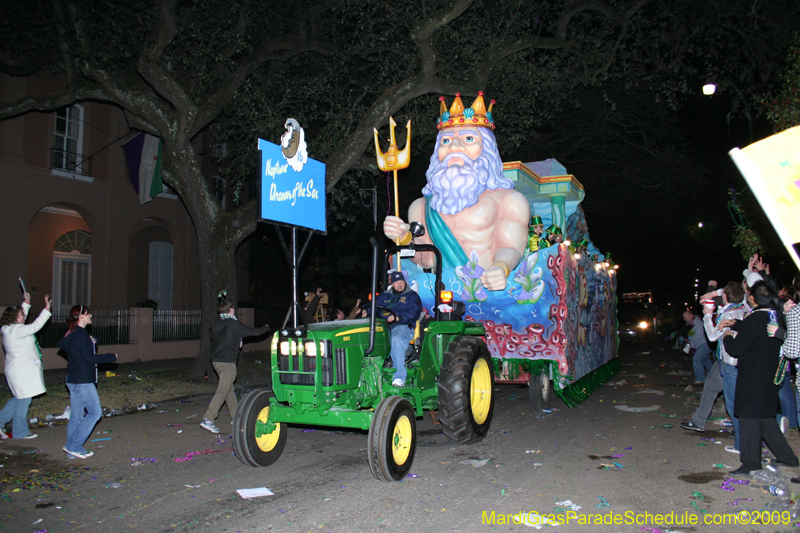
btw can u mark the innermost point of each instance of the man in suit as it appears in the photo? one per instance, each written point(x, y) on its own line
point(756, 399)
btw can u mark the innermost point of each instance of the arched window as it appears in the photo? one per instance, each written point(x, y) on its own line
point(72, 270)
point(76, 241)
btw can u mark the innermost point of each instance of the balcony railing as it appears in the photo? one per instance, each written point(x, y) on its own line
point(70, 162)
point(108, 327)
point(175, 325)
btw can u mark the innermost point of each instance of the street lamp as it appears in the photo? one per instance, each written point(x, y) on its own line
point(710, 88)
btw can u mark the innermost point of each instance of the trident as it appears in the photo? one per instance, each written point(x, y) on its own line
point(394, 160)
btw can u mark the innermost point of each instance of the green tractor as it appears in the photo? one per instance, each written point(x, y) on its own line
point(333, 374)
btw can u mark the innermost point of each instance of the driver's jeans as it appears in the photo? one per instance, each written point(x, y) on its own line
point(401, 337)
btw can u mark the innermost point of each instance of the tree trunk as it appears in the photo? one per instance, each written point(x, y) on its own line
point(217, 273)
point(218, 235)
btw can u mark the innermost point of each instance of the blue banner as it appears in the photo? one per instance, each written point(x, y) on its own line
point(289, 196)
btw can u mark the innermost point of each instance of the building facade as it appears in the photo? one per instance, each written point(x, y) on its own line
point(73, 223)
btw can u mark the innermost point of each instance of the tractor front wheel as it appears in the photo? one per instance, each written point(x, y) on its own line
point(392, 439)
point(253, 446)
point(466, 391)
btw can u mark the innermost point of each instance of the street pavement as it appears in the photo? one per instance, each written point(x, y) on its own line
point(158, 471)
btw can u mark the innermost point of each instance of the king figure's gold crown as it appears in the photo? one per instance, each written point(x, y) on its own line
point(477, 115)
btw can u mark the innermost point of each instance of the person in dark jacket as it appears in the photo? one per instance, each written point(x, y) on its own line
point(82, 361)
point(226, 339)
point(756, 397)
point(406, 306)
point(310, 309)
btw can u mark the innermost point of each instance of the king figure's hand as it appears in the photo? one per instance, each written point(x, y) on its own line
point(394, 228)
point(494, 278)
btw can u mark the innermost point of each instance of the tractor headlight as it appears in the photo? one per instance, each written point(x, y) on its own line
point(312, 348)
point(288, 347)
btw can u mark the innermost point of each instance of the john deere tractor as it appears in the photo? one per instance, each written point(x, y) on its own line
point(337, 374)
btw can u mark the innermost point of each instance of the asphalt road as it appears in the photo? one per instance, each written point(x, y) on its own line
point(159, 472)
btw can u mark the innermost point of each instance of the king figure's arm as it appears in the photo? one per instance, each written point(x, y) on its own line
point(509, 239)
point(394, 228)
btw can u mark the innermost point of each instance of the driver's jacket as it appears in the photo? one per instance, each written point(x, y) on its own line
point(406, 305)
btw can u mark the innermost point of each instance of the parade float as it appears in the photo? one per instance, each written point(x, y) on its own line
point(525, 307)
point(552, 324)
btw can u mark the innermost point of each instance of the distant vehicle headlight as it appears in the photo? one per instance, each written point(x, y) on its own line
point(643, 324)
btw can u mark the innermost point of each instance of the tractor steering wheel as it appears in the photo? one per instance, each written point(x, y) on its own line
point(385, 312)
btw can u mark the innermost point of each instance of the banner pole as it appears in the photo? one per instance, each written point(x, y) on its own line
point(295, 303)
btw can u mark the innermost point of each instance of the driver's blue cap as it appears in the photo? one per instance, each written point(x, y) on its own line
point(396, 276)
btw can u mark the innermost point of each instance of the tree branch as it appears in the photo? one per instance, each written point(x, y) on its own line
point(422, 34)
point(50, 103)
point(151, 68)
point(275, 49)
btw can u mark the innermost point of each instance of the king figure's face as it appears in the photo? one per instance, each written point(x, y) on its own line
point(464, 165)
point(460, 142)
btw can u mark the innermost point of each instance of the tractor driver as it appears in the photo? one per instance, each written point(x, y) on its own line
point(407, 306)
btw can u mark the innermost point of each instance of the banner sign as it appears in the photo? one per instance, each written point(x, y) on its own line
point(292, 185)
point(772, 169)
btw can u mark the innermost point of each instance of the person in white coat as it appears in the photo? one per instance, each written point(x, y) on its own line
point(24, 371)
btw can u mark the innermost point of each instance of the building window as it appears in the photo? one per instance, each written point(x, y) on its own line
point(218, 187)
point(219, 146)
point(67, 153)
point(72, 270)
point(74, 242)
point(159, 284)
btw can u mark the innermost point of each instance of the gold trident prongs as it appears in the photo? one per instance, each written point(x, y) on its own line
point(394, 160)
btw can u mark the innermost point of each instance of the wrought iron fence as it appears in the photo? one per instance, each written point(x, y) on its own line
point(176, 325)
point(116, 326)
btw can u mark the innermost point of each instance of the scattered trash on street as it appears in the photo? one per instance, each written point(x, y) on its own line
point(475, 462)
point(650, 391)
point(630, 409)
point(255, 493)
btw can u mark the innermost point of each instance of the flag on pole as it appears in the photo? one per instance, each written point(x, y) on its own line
point(772, 169)
point(143, 154)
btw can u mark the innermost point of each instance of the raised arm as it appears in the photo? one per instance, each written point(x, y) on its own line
point(396, 228)
point(24, 330)
point(712, 332)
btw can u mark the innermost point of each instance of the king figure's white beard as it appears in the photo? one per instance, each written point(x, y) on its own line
point(454, 188)
point(458, 187)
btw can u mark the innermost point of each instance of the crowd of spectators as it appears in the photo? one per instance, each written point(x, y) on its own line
point(746, 346)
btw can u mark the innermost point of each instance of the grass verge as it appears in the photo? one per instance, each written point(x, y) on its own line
point(122, 392)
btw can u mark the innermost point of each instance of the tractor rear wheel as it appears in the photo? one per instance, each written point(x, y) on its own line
point(540, 389)
point(466, 391)
point(392, 439)
point(253, 447)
